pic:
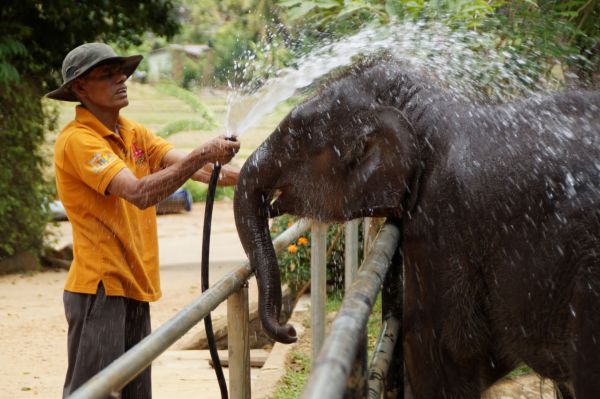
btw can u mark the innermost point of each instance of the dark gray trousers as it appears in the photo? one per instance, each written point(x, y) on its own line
point(102, 328)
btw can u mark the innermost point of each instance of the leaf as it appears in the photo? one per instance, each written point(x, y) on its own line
point(351, 9)
point(327, 4)
point(289, 3)
point(532, 2)
point(301, 10)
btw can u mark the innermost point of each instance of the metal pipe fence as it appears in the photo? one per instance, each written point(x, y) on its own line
point(333, 367)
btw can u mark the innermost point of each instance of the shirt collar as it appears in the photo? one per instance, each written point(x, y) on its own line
point(85, 117)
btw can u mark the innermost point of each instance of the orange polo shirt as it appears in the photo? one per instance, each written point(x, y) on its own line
point(114, 242)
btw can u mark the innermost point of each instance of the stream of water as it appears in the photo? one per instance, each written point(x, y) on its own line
point(465, 62)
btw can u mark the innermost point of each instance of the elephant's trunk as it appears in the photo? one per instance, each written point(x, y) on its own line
point(251, 206)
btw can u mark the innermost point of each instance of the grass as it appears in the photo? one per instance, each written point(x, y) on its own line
point(520, 371)
point(298, 364)
point(181, 126)
point(190, 99)
point(291, 384)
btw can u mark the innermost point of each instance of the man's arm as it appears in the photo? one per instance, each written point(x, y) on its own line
point(153, 188)
point(228, 176)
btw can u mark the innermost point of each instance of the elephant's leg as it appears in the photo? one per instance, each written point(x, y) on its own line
point(563, 392)
point(494, 368)
point(433, 374)
point(584, 309)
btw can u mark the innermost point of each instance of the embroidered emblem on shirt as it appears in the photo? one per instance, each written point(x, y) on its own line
point(138, 154)
point(99, 161)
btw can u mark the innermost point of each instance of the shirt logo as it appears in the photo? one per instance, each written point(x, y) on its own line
point(138, 154)
point(99, 161)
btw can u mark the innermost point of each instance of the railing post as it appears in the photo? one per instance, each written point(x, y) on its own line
point(357, 383)
point(366, 236)
point(350, 252)
point(318, 287)
point(238, 344)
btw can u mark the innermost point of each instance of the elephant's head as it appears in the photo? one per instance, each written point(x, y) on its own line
point(343, 154)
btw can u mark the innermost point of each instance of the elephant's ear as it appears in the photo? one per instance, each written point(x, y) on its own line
point(391, 118)
point(400, 139)
point(381, 126)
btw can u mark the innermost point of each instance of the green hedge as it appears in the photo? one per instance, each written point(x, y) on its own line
point(24, 191)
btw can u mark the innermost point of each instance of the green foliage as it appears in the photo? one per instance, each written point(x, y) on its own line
point(294, 263)
point(23, 203)
point(191, 74)
point(190, 99)
point(520, 371)
point(236, 31)
point(560, 32)
point(374, 325)
point(199, 191)
point(10, 48)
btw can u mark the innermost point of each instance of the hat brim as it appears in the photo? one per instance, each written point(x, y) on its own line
point(64, 92)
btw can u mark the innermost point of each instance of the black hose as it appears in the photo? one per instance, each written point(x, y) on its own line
point(210, 336)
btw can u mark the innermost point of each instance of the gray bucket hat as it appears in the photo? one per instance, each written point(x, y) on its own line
point(85, 57)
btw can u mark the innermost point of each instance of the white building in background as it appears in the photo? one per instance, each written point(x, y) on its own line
point(167, 62)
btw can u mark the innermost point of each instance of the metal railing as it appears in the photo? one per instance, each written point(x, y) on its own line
point(337, 356)
point(337, 359)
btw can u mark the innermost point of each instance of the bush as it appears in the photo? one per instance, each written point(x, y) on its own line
point(199, 191)
point(25, 193)
point(191, 74)
point(294, 263)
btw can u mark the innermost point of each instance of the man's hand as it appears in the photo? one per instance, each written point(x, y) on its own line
point(228, 176)
point(218, 150)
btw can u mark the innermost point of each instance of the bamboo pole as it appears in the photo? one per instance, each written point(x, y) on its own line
point(318, 286)
point(382, 357)
point(238, 316)
point(332, 368)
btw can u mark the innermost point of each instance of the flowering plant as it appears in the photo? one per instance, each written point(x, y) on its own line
point(294, 262)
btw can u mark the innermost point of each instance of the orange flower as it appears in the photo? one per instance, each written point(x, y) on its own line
point(292, 249)
point(303, 241)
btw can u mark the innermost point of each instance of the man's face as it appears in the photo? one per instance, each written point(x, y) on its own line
point(104, 86)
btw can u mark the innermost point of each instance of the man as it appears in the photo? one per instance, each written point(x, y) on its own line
point(110, 172)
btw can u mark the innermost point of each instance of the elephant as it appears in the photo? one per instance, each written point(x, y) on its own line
point(499, 207)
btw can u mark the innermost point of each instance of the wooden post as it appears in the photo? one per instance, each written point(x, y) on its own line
point(350, 252)
point(318, 287)
point(239, 344)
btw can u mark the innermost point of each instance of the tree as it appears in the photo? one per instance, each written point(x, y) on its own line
point(562, 31)
point(236, 31)
point(35, 36)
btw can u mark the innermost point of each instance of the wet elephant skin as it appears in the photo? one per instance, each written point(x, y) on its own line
point(500, 208)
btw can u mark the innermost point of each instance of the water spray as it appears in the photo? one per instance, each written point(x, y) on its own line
point(210, 336)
